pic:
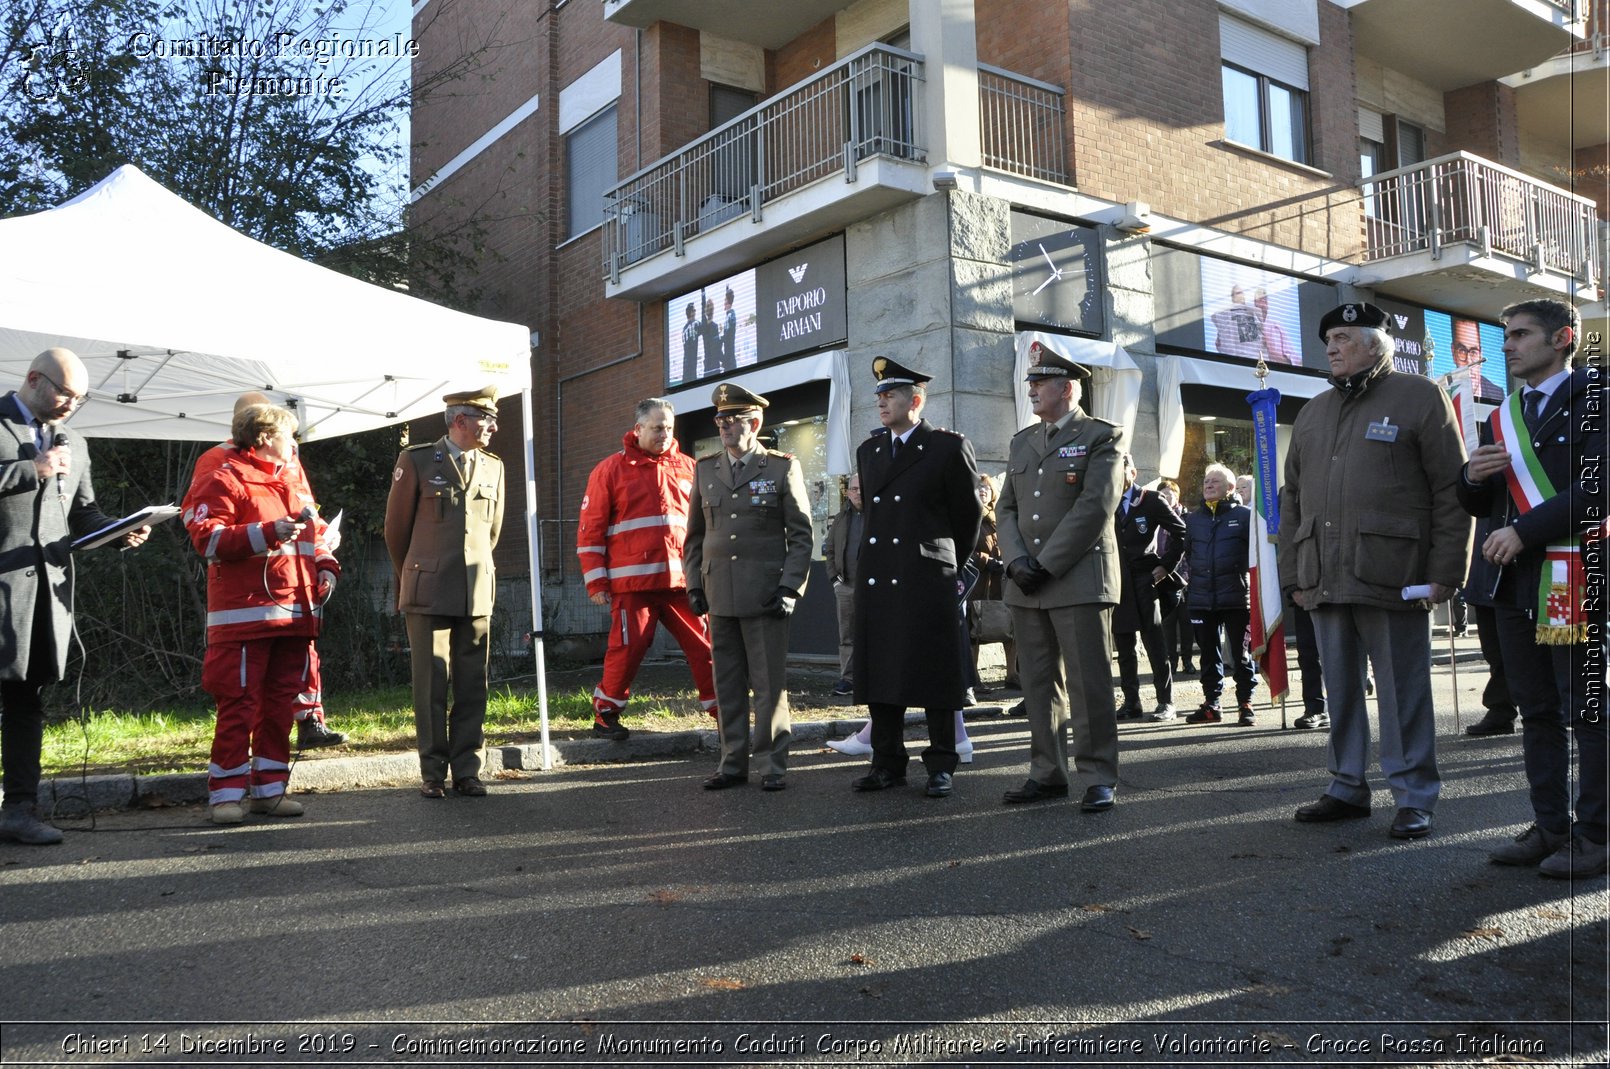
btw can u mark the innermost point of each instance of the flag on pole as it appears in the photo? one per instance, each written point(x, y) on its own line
point(1268, 609)
point(1462, 392)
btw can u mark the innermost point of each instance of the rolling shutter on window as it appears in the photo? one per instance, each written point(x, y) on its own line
point(1267, 53)
point(1370, 125)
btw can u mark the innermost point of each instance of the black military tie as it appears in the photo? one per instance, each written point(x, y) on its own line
point(1532, 409)
point(894, 447)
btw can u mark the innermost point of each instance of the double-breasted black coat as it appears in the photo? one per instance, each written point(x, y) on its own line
point(920, 519)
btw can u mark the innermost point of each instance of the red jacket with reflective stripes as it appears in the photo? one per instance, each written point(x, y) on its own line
point(257, 586)
point(634, 520)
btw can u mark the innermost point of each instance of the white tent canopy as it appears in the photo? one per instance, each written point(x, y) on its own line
point(176, 315)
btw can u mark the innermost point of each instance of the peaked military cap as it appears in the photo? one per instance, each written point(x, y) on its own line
point(730, 398)
point(1045, 364)
point(485, 399)
point(1362, 314)
point(890, 374)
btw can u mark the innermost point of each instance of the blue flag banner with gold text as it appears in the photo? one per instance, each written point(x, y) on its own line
point(1268, 624)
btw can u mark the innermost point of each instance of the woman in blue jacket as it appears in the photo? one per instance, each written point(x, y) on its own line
point(1217, 596)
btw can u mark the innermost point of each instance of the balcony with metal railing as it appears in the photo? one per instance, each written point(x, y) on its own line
point(1022, 125)
point(859, 121)
point(1453, 230)
point(836, 148)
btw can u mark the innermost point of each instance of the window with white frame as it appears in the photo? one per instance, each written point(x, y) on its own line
point(1265, 89)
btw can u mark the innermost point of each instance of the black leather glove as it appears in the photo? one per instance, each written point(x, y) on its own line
point(780, 604)
point(1027, 574)
point(995, 566)
point(697, 603)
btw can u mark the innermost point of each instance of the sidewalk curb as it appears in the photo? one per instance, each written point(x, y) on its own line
point(126, 791)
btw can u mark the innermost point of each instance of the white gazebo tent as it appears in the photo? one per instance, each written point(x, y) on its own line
point(176, 314)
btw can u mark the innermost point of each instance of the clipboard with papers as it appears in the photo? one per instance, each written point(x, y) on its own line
point(151, 514)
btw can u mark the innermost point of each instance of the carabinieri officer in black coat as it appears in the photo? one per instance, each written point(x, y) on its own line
point(921, 518)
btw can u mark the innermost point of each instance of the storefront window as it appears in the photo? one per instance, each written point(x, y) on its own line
point(1224, 441)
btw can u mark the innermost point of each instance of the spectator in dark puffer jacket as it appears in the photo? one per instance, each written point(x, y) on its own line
point(1217, 595)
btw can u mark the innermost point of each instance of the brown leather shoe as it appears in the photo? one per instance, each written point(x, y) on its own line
point(433, 788)
point(470, 787)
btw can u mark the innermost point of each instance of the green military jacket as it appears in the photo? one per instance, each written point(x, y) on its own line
point(441, 528)
point(1057, 506)
point(747, 535)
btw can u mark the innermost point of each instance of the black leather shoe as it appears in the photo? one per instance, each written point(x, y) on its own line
point(1097, 799)
point(1330, 808)
point(939, 785)
point(773, 783)
point(722, 780)
point(433, 788)
point(1020, 709)
point(1411, 823)
point(469, 787)
point(1492, 725)
point(1033, 791)
point(879, 779)
point(1129, 711)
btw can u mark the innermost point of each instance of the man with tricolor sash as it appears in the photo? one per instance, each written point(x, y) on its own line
point(1540, 480)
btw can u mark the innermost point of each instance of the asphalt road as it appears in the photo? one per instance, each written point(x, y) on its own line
point(617, 914)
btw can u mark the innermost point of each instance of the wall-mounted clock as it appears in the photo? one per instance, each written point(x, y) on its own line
point(1055, 274)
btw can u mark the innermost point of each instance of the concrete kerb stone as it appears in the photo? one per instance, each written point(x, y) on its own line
point(327, 774)
point(63, 793)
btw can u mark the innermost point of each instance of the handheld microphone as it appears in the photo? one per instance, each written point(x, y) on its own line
point(307, 515)
point(59, 440)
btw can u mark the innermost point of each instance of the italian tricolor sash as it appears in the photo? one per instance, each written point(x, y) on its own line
point(1562, 585)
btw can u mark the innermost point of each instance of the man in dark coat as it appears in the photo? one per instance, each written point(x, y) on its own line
point(920, 520)
point(1368, 508)
point(46, 500)
point(1141, 515)
point(1541, 482)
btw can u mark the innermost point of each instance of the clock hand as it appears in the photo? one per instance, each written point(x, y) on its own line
point(1048, 259)
point(1047, 282)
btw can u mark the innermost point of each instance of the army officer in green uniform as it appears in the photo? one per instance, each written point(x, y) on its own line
point(442, 521)
point(1064, 475)
point(746, 558)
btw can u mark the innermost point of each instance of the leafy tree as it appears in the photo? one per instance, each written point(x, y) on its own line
point(281, 119)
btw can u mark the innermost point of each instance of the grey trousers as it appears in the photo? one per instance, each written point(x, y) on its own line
point(1398, 644)
point(1064, 658)
point(751, 653)
point(844, 594)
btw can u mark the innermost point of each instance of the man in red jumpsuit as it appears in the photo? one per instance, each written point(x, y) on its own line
point(308, 708)
point(633, 523)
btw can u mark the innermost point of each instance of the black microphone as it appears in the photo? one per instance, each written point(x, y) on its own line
point(59, 440)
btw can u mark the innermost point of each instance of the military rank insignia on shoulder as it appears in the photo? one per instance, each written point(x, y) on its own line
point(780, 453)
point(417, 446)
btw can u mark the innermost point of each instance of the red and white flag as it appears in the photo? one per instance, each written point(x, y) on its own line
point(1268, 608)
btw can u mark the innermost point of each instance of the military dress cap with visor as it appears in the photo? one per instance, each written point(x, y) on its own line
point(1046, 364)
point(730, 398)
point(890, 374)
point(1361, 314)
point(485, 399)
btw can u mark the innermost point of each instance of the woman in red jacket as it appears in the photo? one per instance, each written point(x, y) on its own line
point(268, 577)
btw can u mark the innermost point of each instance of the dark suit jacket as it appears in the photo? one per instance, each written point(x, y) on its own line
point(37, 525)
point(920, 515)
point(1570, 445)
point(1137, 544)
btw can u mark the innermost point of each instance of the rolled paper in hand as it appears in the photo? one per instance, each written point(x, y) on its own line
point(1417, 593)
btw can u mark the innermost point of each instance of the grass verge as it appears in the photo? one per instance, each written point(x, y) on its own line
point(374, 721)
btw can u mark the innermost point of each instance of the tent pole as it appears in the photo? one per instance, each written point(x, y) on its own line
point(533, 547)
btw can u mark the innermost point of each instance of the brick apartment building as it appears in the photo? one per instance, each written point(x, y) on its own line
point(1167, 190)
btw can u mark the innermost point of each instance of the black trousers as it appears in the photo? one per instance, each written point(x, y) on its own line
point(1495, 695)
point(1151, 637)
point(889, 739)
point(1302, 629)
point(22, 711)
